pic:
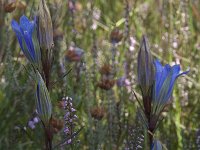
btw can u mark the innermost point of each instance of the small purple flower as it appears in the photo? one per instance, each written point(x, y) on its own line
point(36, 119)
point(75, 117)
point(69, 141)
point(132, 44)
point(31, 124)
point(73, 110)
point(123, 81)
point(69, 119)
point(66, 130)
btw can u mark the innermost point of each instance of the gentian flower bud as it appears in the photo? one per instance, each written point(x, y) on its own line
point(27, 38)
point(164, 82)
point(145, 68)
point(45, 28)
point(43, 102)
point(156, 145)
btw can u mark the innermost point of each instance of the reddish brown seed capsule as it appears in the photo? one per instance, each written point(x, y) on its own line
point(106, 84)
point(10, 5)
point(56, 124)
point(97, 112)
point(75, 54)
point(116, 35)
point(105, 69)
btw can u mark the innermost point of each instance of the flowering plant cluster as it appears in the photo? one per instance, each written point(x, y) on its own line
point(70, 118)
point(156, 83)
point(36, 42)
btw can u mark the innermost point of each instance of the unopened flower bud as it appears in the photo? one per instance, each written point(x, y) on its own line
point(45, 28)
point(43, 102)
point(156, 145)
point(145, 67)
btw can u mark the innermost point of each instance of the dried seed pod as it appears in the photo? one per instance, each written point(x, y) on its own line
point(57, 124)
point(105, 69)
point(10, 5)
point(97, 112)
point(116, 35)
point(75, 54)
point(106, 84)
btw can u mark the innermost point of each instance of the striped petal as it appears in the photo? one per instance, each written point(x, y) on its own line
point(164, 83)
point(26, 25)
point(17, 30)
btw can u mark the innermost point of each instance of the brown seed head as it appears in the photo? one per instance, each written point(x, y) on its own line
point(106, 84)
point(105, 69)
point(56, 124)
point(97, 112)
point(10, 5)
point(116, 35)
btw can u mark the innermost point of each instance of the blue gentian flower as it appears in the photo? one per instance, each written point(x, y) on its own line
point(27, 38)
point(156, 145)
point(165, 78)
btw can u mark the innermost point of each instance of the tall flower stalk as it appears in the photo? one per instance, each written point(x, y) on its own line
point(70, 118)
point(45, 36)
point(156, 83)
point(36, 41)
point(44, 109)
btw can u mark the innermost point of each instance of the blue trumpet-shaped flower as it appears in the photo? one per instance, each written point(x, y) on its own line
point(165, 78)
point(27, 38)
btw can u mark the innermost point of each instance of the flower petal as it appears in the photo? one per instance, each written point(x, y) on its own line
point(29, 44)
point(26, 25)
point(18, 33)
point(176, 69)
point(161, 77)
point(158, 66)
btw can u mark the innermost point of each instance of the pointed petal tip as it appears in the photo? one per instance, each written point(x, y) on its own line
point(14, 24)
point(24, 21)
point(158, 65)
point(23, 17)
point(185, 72)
